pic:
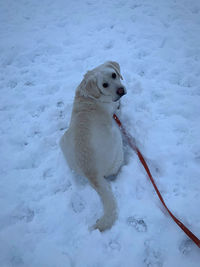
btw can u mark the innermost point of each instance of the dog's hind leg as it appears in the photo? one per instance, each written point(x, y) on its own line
point(109, 205)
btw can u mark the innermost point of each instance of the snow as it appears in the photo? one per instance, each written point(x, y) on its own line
point(46, 47)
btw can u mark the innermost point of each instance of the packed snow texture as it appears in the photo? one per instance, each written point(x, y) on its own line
point(45, 48)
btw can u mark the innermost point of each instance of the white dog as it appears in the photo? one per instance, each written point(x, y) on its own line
point(92, 145)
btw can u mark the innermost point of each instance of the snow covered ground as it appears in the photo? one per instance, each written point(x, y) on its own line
point(45, 48)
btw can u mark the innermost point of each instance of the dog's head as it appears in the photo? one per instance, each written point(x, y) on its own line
point(103, 83)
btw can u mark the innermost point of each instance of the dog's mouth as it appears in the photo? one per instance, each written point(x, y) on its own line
point(117, 98)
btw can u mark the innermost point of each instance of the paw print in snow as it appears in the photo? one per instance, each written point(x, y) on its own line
point(114, 245)
point(186, 246)
point(153, 256)
point(77, 203)
point(138, 224)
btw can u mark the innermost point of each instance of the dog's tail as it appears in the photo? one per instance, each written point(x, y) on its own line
point(103, 188)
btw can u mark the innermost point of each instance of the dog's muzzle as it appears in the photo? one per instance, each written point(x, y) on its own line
point(121, 91)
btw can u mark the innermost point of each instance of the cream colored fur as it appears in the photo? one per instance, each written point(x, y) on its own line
point(92, 145)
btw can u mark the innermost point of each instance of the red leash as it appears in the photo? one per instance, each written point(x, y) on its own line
point(132, 144)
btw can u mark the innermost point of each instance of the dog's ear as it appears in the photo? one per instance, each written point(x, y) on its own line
point(115, 66)
point(88, 86)
point(91, 88)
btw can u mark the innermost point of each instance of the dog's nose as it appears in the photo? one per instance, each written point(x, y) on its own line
point(121, 91)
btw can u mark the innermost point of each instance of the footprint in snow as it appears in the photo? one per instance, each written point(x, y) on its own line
point(60, 104)
point(114, 245)
point(137, 223)
point(186, 246)
point(23, 213)
point(77, 203)
point(153, 255)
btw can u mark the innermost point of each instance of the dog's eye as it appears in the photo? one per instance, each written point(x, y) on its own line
point(114, 75)
point(105, 85)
